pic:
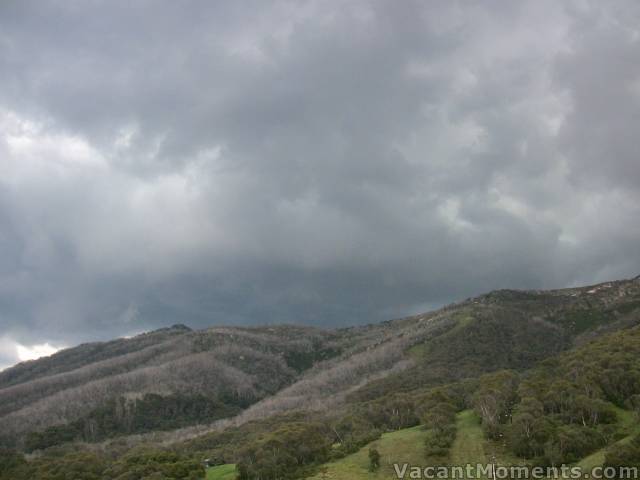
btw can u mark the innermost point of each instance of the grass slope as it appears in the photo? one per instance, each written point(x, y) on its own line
point(222, 472)
point(468, 446)
point(403, 446)
point(471, 446)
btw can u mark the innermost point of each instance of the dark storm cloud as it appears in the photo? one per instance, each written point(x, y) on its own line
point(314, 162)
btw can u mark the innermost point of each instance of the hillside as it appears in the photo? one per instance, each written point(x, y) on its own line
point(73, 358)
point(231, 394)
point(579, 408)
point(231, 367)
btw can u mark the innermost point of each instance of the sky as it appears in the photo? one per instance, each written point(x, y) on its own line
point(324, 163)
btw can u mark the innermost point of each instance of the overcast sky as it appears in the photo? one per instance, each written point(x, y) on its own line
point(326, 163)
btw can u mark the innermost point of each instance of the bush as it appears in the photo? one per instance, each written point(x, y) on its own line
point(374, 459)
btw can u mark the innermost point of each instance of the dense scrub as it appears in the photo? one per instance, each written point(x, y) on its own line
point(138, 465)
point(440, 421)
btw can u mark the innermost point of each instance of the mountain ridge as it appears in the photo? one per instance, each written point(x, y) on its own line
point(177, 329)
point(250, 373)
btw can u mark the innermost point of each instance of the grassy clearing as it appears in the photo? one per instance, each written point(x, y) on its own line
point(468, 446)
point(407, 446)
point(222, 472)
point(403, 446)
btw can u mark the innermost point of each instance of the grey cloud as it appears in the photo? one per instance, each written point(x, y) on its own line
point(602, 76)
point(312, 162)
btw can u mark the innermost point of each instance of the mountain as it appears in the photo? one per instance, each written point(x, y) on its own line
point(220, 392)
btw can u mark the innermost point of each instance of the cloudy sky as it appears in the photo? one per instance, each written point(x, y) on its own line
point(327, 163)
